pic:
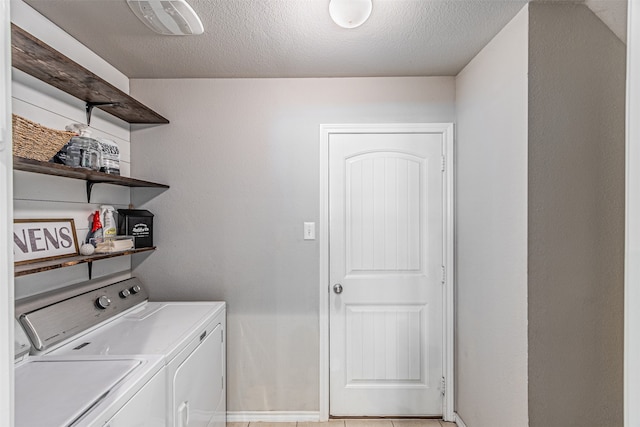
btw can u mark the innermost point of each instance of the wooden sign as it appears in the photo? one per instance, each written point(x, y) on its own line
point(43, 239)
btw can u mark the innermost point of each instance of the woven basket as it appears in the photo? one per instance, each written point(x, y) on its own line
point(34, 141)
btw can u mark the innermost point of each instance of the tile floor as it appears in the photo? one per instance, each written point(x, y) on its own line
point(353, 423)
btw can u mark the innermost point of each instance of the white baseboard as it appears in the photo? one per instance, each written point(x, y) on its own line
point(289, 417)
point(272, 416)
point(459, 421)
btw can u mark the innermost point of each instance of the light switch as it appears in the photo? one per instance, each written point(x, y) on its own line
point(309, 231)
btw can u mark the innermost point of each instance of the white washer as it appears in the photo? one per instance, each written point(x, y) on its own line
point(190, 337)
point(187, 336)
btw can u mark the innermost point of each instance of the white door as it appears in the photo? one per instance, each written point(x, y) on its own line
point(386, 257)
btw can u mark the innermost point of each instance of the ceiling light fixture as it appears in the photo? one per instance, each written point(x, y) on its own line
point(350, 13)
point(171, 17)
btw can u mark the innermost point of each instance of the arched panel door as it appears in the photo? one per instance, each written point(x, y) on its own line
point(386, 261)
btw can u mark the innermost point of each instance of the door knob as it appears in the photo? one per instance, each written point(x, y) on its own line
point(337, 288)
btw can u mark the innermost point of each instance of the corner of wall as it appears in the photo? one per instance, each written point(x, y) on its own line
point(491, 231)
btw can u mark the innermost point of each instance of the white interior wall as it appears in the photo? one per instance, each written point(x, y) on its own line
point(242, 156)
point(41, 196)
point(576, 218)
point(491, 230)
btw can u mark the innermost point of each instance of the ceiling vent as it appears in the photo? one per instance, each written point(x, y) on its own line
point(172, 17)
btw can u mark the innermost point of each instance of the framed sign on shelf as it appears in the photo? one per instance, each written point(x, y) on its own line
point(37, 240)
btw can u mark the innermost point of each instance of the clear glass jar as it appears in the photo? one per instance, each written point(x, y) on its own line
point(83, 152)
point(73, 154)
point(92, 156)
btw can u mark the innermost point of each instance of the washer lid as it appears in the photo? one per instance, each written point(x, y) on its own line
point(57, 393)
point(157, 328)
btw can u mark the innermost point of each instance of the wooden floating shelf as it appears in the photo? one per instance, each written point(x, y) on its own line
point(36, 58)
point(48, 168)
point(38, 267)
point(88, 175)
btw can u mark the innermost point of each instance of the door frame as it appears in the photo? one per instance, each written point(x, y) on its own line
point(632, 225)
point(7, 413)
point(447, 132)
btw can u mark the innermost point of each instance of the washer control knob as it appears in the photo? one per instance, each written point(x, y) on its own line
point(124, 293)
point(103, 302)
point(135, 289)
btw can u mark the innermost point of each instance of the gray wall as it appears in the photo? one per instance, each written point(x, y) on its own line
point(491, 232)
point(576, 218)
point(242, 158)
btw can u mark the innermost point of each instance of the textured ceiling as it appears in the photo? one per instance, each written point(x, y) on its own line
point(292, 38)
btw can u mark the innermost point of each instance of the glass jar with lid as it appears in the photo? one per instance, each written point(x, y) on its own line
point(82, 150)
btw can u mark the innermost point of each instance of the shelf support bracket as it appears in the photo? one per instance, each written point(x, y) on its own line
point(90, 105)
point(89, 188)
point(90, 268)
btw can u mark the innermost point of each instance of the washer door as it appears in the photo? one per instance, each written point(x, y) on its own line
point(198, 384)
